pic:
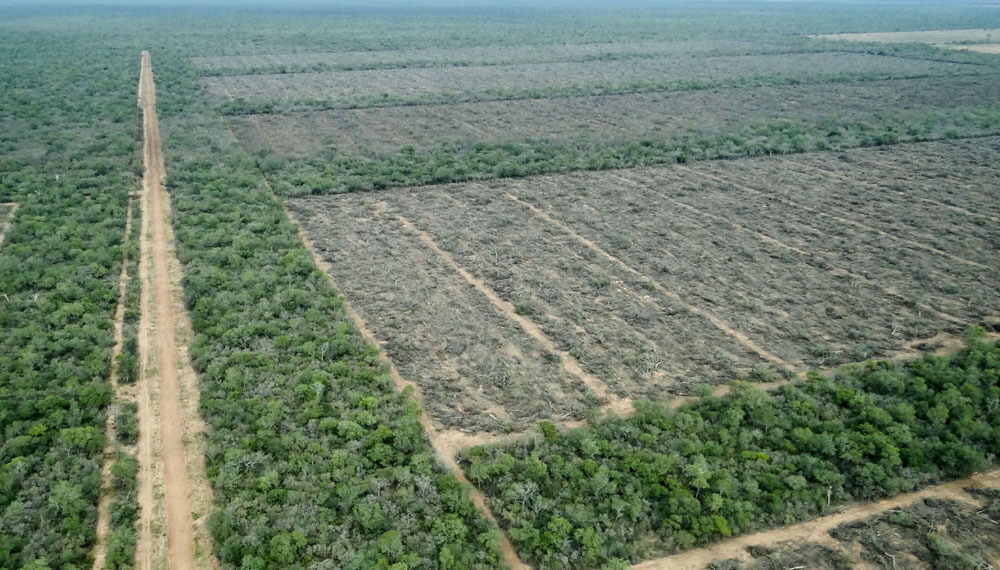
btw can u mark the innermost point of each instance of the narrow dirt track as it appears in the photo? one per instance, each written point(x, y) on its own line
point(179, 524)
point(817, 530)
point(104, 501)
point(10, 217)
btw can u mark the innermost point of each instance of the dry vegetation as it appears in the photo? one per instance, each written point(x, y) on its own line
point(345, 88)
point(807, 270)
point(615, 117)
point(473, 55)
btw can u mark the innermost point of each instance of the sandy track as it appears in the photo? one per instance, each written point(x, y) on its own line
point(10, 216)
point(104, 501)
point(183, 477)
point(817, 530)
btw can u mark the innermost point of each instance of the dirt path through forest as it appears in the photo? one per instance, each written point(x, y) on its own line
point(10, 217)
point(104, 500)
point(160, 275)
point(817, 530)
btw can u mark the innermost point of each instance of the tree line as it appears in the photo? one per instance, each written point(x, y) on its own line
point(620, 490)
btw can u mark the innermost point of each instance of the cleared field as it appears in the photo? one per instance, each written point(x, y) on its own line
point(951, 235)
point(954, 530)
point(959, 174)
point(967, 36)
point(470, 356)
point(981, 48)
point(478, 55)
point(653, 280)
point(347, 87)
point(603, 118)
point(469, 359)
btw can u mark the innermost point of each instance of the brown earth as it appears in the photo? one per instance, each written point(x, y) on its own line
point(179, 428)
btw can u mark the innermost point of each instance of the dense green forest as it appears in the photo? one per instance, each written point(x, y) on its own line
point(664, 480)
point(70, 135)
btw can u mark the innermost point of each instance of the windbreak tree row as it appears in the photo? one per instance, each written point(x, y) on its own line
point(314, 456)
point(332, 171)
point(665, 480)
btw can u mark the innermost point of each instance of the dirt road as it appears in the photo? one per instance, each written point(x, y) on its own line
point(816, 530)
point(179, 526)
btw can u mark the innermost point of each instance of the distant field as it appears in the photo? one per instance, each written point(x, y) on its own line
point(793, 261)
point(478, 55)
point(968, 36)
point(348, 88)
point(605, 118)
point(982, 41)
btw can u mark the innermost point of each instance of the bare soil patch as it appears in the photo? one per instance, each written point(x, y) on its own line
point(909, 221)
point(652, 280)
point(472, 363)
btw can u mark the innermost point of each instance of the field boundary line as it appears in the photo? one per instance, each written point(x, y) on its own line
point(10, 219)
point(868, 184)
point(816, 530)
point(796, 204)
point(570, 363)
point(716, 321)
point(444, 445)
point(833, 269)
point(104, 498)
